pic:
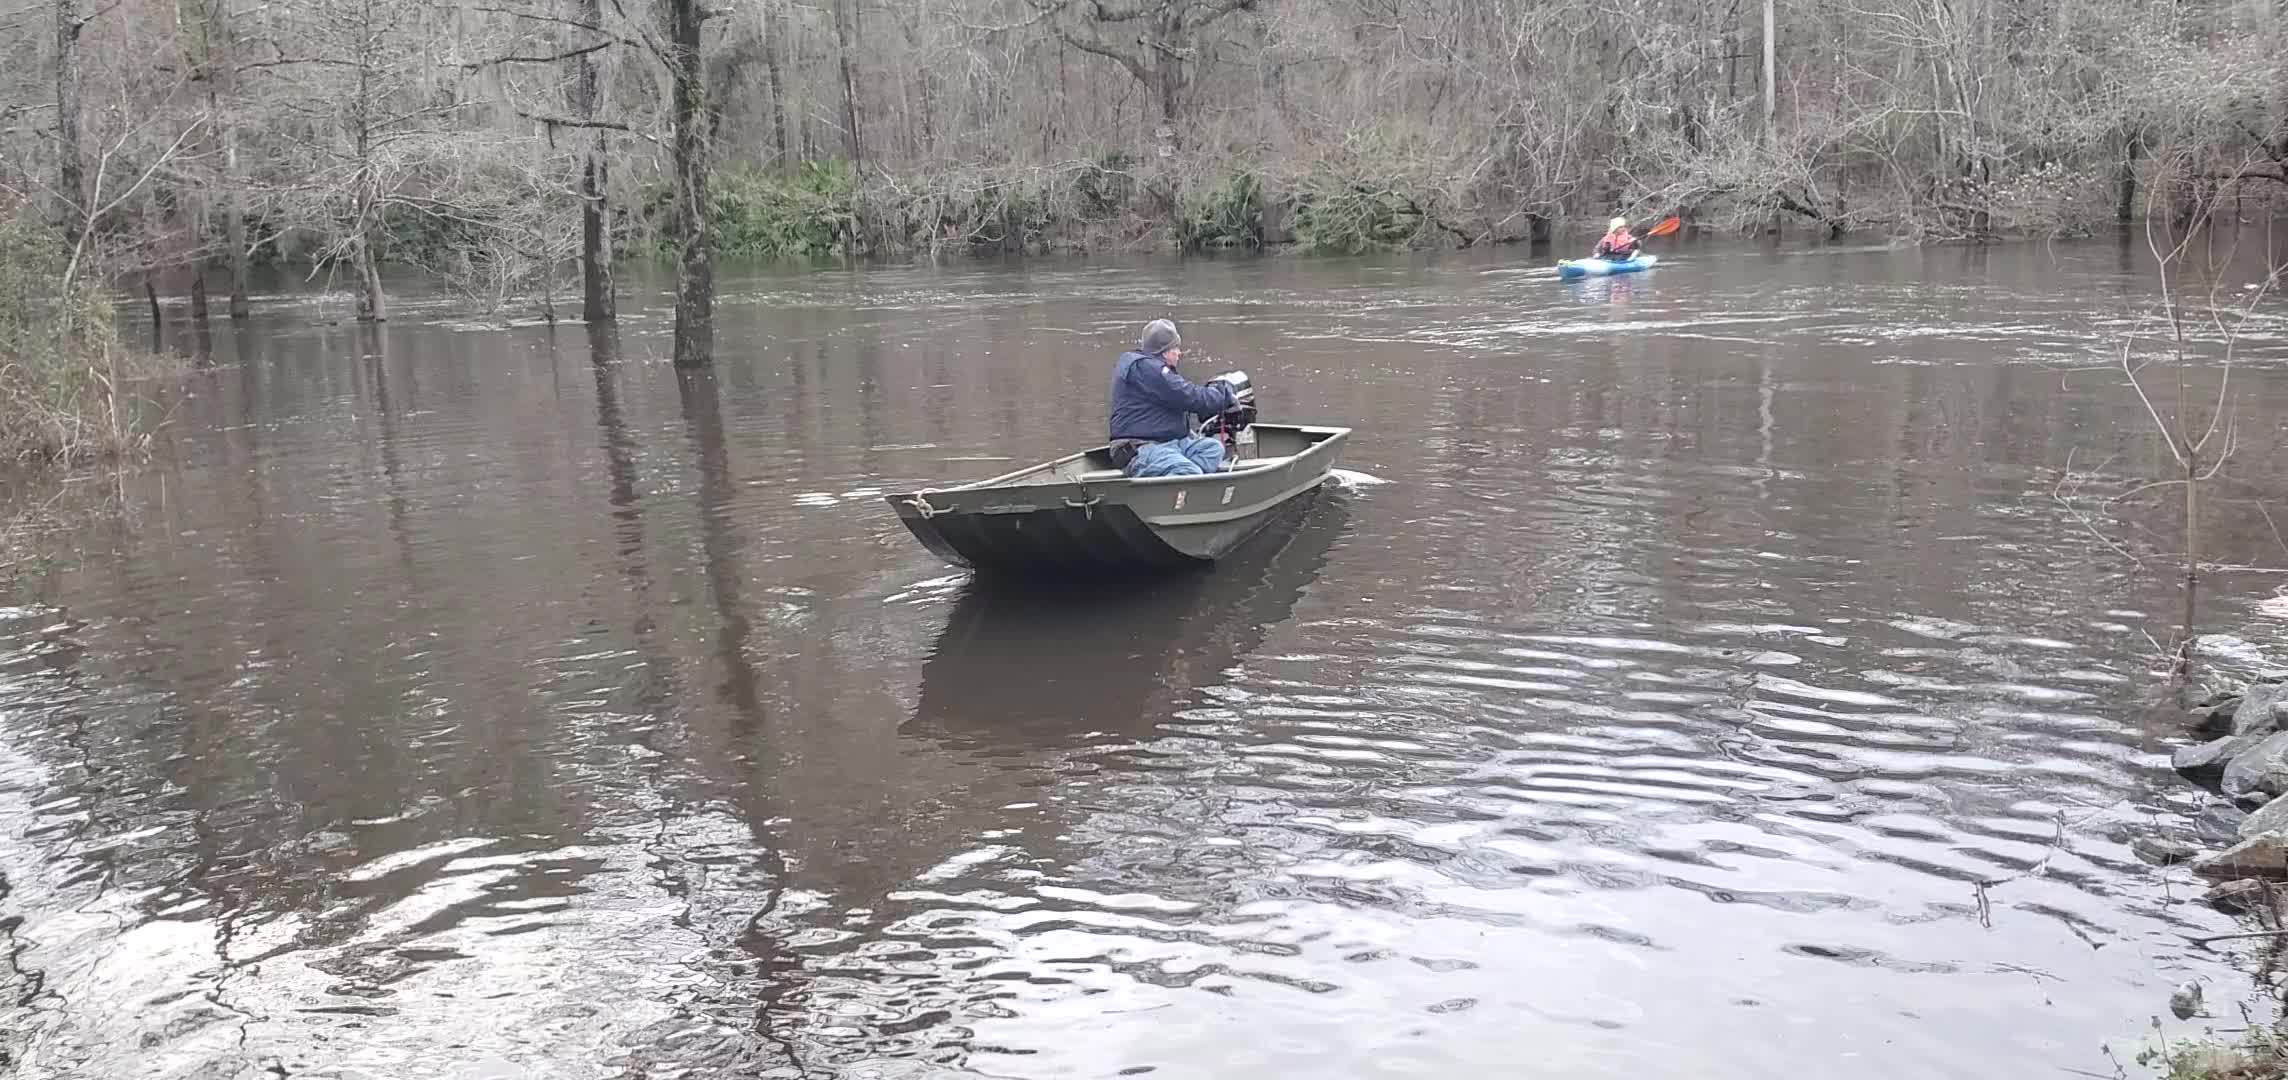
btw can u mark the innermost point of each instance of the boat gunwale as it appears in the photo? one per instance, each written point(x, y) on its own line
point(1332, 435)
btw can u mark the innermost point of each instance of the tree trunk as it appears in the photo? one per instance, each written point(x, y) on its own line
point(202, 331)
point(846, 44)
point(2125, 206)
point(774, 47)
point(695, 266)
point(597, 300)
point(597, 303)
point(221, 61)
point(2192, 456)
point(373, 306)
point(71, 170)
point(234, 224)
point(158, 321)
point(366, 233)
point(1771, 68)
point(1165, 55)
point(198, 295)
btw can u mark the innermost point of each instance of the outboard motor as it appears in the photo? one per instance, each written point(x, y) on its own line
point(1235, 426)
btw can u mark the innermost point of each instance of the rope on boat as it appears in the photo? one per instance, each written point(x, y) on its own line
point(921, 504)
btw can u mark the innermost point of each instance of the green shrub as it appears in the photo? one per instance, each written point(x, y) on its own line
point(1355, 218)
point(1224, 217)
point(428, 241)
point(755, 214)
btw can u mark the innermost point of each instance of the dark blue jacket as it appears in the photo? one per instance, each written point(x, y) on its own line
point(1151, 401)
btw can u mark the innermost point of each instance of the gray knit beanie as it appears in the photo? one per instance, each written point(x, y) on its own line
point(1159, 337)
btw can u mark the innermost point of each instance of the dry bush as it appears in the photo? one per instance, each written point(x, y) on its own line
point(63, 369)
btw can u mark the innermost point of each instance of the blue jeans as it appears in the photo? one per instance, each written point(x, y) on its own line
point(1188, 456)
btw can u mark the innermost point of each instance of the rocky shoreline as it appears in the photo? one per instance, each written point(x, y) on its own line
point(2238, 700)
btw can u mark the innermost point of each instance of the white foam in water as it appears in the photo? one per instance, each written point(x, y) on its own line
point(815, 498)
point(1353, 479)
point(925, 591)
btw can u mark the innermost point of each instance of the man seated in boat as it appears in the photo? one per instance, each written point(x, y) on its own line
point(1618, 245)
point(1153, 406)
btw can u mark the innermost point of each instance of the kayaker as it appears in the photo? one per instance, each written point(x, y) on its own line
point(1153, 433)
point(1618, 245)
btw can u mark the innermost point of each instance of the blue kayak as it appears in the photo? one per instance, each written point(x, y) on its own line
point(1570, 269)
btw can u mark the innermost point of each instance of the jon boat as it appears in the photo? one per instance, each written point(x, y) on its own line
point(1079, 514)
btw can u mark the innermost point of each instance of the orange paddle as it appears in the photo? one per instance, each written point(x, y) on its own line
point(1667, 226)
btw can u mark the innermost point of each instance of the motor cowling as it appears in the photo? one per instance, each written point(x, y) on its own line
point(1227, 425)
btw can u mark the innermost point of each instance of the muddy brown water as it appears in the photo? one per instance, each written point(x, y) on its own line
point(467, 700)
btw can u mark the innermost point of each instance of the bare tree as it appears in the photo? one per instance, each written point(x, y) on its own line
point(345, 134)
point(695, 259)
point(846, 61)
point(1161, 37)
point(597, 302)
point(71, 169)
point(2183, 379)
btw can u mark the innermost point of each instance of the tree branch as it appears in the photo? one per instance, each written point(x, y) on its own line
point(1134, 65)
point(552, 58)
point(571, 122)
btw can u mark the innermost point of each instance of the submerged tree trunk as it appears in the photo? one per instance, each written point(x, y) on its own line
point(2125, 206)
point(71, 170)
point(158, 321)
point(366, 231)
point(234, 225)
point(2192, 546)
point(695, 264)
point(220, 58)
point(597, 302)
point(198, 296)
point(373, 305)
point(202, 331)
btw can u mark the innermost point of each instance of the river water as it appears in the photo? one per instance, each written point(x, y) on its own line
point(478, 701)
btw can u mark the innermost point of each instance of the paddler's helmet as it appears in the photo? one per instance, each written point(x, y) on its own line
point(1617, 224)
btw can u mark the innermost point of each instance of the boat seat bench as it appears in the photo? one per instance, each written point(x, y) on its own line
point(1099, 475)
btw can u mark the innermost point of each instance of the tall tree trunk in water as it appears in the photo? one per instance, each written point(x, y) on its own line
point(222, 103)
point(158, 321)
point(2125, 209)
point(234, 224)
point(372, 305)
point(205, 41)
point(2192, 457)
point(198, 295)
point(597, 303)
point(774, 47)
point(845, 38)
point(202, 331)
point(71, 170)
point(695, 268)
